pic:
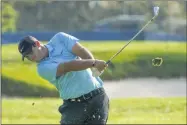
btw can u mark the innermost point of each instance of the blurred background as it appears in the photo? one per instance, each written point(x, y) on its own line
point(103, 27)
point(93, 20)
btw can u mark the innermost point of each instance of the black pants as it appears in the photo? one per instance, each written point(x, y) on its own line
point(92, 111)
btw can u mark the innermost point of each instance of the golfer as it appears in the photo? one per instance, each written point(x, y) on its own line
point(68, 65)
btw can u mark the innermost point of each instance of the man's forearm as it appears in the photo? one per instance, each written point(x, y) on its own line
point(75, 65)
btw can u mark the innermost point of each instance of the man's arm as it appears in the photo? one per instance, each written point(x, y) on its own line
point(77, 65)
point(82, 52)
point(73, 46)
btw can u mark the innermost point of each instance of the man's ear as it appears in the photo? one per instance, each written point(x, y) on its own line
point(37, 43)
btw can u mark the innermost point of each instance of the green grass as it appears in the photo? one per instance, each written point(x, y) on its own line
point(122, 111)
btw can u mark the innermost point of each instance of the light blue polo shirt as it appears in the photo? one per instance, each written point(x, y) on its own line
point(73, 84)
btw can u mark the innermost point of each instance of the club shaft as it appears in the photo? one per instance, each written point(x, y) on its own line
point(131, 39)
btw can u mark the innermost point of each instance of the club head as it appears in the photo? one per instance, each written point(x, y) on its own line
point(157, 61)
point(156, 11)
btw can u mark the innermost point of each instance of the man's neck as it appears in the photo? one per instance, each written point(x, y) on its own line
point(45, 51)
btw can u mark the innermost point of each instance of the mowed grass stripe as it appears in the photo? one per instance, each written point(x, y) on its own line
point(10, 51)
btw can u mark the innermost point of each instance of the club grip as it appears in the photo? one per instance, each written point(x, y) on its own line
point(108, 62)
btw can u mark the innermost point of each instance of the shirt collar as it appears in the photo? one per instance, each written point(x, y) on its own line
point(50, 49)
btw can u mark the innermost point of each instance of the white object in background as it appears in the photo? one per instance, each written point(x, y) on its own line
point(156, 10)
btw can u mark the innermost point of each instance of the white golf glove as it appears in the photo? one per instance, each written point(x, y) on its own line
point(96, 72)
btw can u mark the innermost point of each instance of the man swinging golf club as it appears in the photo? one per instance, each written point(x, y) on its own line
point(65, 63)
point(69, 66)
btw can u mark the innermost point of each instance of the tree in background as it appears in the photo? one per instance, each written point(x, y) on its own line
point(66, 16)
point(9, 17)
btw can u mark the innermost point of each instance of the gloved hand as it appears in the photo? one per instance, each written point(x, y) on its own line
point(96, 72)
point(99, 67)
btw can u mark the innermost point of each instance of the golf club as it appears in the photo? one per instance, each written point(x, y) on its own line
point(156, 11)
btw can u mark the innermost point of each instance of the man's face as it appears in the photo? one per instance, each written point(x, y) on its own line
point(36, 55)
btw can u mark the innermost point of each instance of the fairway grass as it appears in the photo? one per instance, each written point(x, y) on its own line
point(122, 111)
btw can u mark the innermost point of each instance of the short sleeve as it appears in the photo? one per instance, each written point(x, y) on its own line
point(68, 40)
point(48, 71)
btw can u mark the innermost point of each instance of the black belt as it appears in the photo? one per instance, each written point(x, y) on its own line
point(87, 96)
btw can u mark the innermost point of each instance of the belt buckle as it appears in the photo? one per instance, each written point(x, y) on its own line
point(85, 98)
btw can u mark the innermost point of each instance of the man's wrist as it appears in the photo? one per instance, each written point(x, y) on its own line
point(93, 64)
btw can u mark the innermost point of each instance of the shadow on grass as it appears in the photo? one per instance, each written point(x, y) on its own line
point(13, 88)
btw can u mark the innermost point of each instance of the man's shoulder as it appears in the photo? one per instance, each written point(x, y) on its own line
point(46, 70)
point(57, 37)
point(43, 63)
point(59, 34)
point(40, 66)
